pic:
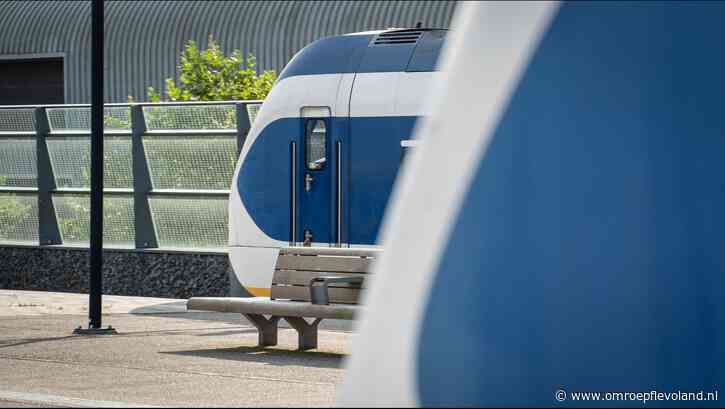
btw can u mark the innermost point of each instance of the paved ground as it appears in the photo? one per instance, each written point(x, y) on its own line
point(162, 356)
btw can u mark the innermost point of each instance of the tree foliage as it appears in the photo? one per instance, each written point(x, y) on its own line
point(209, 75)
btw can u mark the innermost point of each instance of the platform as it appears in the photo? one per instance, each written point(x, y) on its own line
point(162, 356)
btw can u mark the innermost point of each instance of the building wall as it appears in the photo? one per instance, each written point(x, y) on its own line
point(143, 39)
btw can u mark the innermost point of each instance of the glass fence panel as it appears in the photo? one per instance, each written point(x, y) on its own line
point(190, 222)
point(19, 218)
point(18, 162)
point(71, 160)
point(17, 120)
point(73, 212)
point(185, 162)
point(192, 117)
point(78, 119)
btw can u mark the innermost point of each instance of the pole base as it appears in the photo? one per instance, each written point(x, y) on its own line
point(95, 331)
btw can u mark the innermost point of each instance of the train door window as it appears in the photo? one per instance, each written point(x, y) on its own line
point(315, 144)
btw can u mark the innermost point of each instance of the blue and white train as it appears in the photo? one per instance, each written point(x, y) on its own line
point(320, 160)
point(560, 232)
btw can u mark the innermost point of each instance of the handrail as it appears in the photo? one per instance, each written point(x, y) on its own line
point(183, 132)
point(86, 134)
point(181, 103)
point(293, 195)
point(339, 194)
point(191, 192)
point(111, 190)
point(18, 189)
point(13, 134)
point(130, 104)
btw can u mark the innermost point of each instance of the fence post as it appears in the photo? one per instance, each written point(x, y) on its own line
point(48, 231)
point(145, 233)
point(243, 125)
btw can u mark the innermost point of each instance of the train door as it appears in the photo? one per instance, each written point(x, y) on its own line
point(315, 197)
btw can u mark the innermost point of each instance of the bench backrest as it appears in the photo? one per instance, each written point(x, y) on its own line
point(297, 266)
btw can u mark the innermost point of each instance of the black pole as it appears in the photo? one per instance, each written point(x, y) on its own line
point(96, 284)
point(96, 245)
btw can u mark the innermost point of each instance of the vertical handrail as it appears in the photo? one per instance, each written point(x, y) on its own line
point(339, 194)
point(293, 195)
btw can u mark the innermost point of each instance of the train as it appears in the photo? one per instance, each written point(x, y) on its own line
point(567, 248)
point(319, 162)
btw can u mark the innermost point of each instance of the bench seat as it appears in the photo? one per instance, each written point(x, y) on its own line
point(266, 306)
point(309, 283)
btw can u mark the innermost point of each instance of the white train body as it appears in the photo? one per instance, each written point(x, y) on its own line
point(350, 102)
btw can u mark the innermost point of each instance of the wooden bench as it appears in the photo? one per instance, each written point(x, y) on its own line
point(308, 282)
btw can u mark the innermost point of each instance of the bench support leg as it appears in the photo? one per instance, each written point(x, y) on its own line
point(307, 333)
point(267, 328)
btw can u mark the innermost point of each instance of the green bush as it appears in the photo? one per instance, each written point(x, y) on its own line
point(209, 75)
point(204, 75)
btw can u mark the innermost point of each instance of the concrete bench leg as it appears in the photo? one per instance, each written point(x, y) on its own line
point(267, 328)
point(307, 332)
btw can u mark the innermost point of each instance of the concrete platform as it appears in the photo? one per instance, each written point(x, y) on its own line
point(162, 356)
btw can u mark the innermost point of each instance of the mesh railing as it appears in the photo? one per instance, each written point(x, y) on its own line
point(185, 173)
point(18, 162)
point(71, 161)
point(17, 119)
point(183, 221)
point(19, 217)
point(191, 117)
point(78, 119)
point(73, 212)
point(252, 110)
point(183, 162)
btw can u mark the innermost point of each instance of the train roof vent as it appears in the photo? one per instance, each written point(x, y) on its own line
point(398, 37)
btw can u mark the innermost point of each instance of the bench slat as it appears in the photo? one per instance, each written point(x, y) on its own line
point(324, 263)
point(261, 305)
point(333, 251)
point(300, 293)
point(298, 277)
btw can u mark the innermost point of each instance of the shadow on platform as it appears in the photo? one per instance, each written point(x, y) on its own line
point(177, 309)
point(26, 341)
point(269, 356)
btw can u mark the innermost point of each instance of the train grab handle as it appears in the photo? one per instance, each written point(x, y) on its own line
point(293, 194)
point(339, 194)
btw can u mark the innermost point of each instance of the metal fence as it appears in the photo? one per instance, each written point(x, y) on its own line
point(167, 172)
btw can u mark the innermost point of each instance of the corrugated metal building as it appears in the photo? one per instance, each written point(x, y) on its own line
point(144, 38)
